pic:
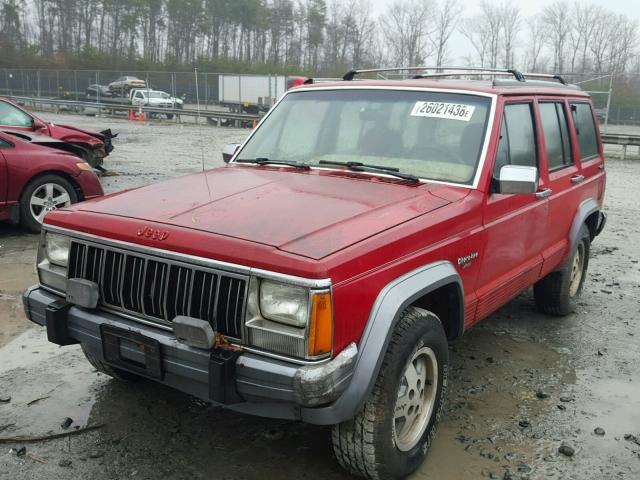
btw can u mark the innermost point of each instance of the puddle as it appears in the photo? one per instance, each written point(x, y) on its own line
point(46, 384)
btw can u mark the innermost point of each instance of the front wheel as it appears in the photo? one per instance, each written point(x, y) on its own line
point(42, 195)
point(391, 434)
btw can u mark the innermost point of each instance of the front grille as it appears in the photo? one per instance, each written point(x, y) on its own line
point(157, 289)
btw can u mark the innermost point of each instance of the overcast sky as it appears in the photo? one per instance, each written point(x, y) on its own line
point(459, 47)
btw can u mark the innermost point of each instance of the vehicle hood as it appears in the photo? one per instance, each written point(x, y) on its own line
point(31, 137)
point(312, 214)
point(43, 140)
point(73, 134)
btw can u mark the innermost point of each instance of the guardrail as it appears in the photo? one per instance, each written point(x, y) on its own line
point(212, 116)
point(621, 139)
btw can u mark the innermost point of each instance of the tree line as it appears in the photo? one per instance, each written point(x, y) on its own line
point(320, 37)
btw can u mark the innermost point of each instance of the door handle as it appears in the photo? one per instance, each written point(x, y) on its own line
point(546, 193)
point(577, 178)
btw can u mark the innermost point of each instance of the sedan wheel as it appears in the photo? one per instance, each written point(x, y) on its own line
point(47, 197)
point(43, 195)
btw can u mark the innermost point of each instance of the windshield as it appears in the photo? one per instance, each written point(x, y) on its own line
point(433, 135)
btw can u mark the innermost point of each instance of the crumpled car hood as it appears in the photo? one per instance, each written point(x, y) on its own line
point(311, 213)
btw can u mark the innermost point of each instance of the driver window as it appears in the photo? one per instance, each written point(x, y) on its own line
point(517, 138)
point(14, 117)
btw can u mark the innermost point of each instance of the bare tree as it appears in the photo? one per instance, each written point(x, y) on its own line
point(404, 26)
point(625, 39)
point(484, 33)
point(446, 17)
point(536, 40)
point(585, 18)
point(511, 23)
point(556, 20)
point(600, 41)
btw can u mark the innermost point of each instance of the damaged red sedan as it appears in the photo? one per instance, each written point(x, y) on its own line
point(93, 147)
point(36, 179)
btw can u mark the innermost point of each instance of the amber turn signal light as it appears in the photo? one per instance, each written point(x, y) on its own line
point(321, 327)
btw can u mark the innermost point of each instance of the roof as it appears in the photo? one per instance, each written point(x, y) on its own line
point(497, 87)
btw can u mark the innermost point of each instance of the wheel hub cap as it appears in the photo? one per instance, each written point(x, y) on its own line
point(48, 197)
point(577, 267)
point(415, 399)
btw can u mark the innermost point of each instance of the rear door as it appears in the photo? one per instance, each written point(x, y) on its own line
point(514, 224)
point(588, 150)
point(563, 175)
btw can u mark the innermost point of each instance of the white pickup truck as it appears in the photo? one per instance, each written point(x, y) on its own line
point(139, 97)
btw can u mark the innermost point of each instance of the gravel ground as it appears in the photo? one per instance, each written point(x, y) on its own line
point(524, 387)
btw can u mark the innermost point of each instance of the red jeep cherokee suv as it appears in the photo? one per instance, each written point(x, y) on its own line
point(320, 274)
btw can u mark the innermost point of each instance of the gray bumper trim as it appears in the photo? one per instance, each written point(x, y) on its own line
point(270, 387)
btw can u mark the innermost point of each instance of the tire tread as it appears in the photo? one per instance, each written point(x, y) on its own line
point(353, 440)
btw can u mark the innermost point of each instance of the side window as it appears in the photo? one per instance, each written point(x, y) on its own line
point(556, 135)
point(586, 130)
point(517, 138)
point(14, 117)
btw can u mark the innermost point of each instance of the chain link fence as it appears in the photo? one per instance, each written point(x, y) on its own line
point(240, 93)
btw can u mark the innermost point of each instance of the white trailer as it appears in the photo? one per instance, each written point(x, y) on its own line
point(250, 93)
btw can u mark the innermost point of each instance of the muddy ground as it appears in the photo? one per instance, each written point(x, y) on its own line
point(522, 384)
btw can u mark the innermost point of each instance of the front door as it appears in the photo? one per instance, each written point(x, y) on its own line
point(14, 118)
point(4, 181)
point(515, 223)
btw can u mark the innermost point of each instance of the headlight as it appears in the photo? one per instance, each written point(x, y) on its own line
point(289, 320)
point(83, 166)
point(57, 248)
point(284, 303)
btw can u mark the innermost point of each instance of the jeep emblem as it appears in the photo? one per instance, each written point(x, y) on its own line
point(153, 233)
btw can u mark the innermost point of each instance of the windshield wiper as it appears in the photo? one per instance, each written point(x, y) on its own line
point(266, 161)
point(363, 167)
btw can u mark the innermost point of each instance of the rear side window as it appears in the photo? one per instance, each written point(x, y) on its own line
point(517, 138)
point(556, 135)
point(586, 130)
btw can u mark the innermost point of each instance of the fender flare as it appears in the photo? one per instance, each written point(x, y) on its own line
point(585, 209)
point(392, 300)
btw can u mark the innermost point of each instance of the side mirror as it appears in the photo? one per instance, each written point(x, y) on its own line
point(518, 179)
point(38, 124)
point(229, 151)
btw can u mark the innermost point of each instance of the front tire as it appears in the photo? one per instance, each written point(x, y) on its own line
point(558, 292)
point(42, 195)
point(391, 434)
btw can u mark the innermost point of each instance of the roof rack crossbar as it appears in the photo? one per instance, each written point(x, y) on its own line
point(449, 71)
point(443, 71)
point(547, 75)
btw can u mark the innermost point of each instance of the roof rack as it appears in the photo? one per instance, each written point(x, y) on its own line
point(449, 71)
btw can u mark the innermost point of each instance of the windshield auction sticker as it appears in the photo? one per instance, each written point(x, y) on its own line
point(451, 111)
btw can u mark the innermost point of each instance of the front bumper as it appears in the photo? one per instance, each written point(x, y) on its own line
point(251, 383)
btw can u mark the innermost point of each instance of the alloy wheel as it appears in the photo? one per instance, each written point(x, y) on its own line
point(48, 197)
point(416, 398)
